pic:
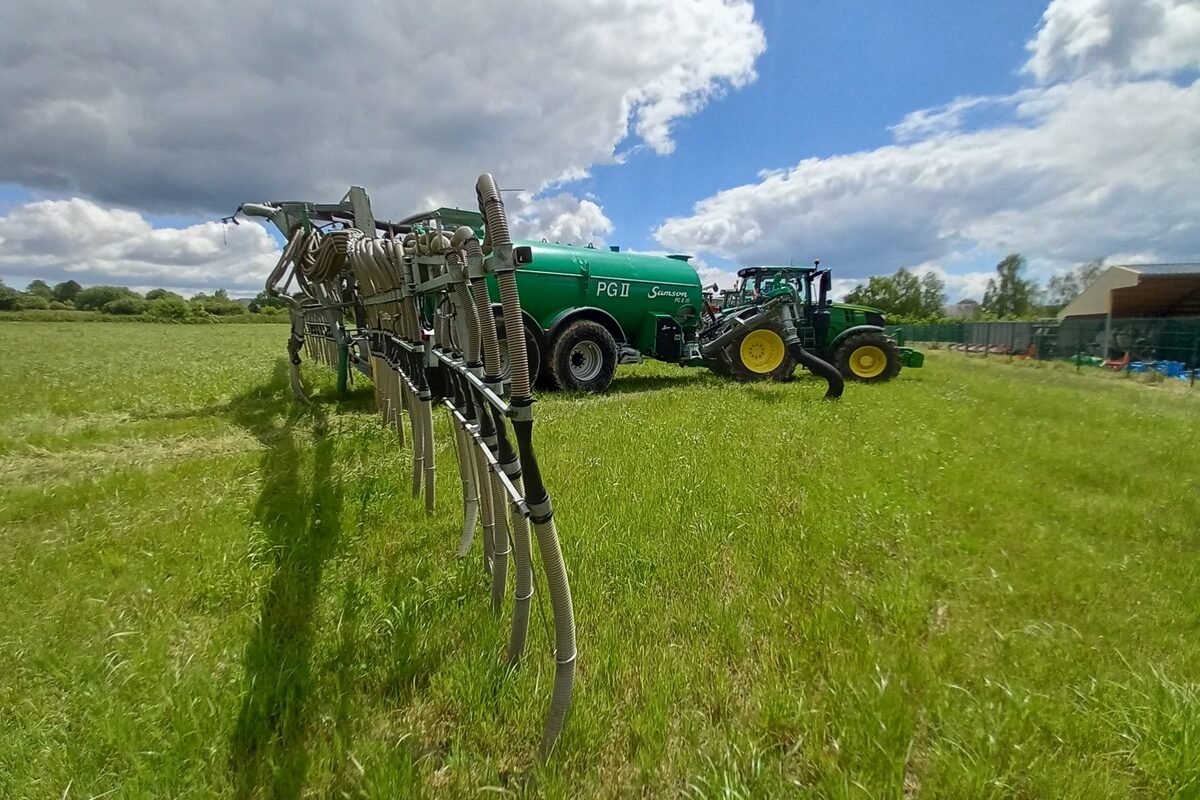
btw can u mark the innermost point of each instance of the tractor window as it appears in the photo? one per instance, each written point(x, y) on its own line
point(754, 287)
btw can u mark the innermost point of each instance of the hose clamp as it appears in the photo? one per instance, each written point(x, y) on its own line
point(541, 512)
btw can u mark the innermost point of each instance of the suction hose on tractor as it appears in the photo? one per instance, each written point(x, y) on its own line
point(821, 367)
point(540, 508)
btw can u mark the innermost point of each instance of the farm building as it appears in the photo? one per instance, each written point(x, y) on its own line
point(1140, 290)
point(1141, 309)
point(964, 309)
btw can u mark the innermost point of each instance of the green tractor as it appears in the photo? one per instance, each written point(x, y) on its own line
point(849, 336)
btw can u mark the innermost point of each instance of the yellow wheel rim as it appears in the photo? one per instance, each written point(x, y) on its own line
point(868, 361)
point(762, 351)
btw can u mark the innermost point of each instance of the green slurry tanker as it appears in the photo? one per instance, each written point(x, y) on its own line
point(587, 310)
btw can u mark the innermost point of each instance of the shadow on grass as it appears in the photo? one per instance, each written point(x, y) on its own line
point(300, 519)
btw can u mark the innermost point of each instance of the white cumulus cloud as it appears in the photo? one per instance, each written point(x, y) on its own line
point(1116, 38)
point(58, 240)
point(195, 107)
point(558, 218)
point(1063, 173)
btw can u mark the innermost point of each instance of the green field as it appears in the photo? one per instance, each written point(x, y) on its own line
point(979, 580)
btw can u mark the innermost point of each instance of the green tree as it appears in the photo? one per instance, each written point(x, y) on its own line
point(10, 298)
point(1062, 289)
point(1009, 294)
point(124, 306)
point(40, 288)
point(263, 300)
point(32, 302)
point(159, 294)
point(67, 291)
point(220, 304)
point(902, 294)
point(94, 298)
point(173, 308)
point(933, 296)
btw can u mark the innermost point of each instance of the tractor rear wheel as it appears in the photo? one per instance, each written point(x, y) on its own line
point(868, 357)
point(758, 356)
point(583, 357)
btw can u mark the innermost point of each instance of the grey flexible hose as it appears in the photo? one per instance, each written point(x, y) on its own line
point(522, 579)
point(398, 393)
point(416, 418)
point(565, 654)
point(430, 466)
point(542, 515)
point(466, 469)
point(500, 545)
point(485, 511)
point(490, 481)
point(521, 545)
point(487, 320)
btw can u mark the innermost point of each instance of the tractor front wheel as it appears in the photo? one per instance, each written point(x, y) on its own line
point(868, 357)
point(758, 356)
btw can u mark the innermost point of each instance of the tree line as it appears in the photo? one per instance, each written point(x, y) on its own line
point(157, 304)
point(1010, 294)
point(903, 296)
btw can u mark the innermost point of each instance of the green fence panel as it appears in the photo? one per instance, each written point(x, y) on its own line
point(1145, 339)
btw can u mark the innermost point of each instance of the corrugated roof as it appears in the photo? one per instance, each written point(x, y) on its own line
point(1164, 269)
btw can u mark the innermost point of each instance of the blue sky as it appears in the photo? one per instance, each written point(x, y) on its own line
point(936, 136)
point(834, 77)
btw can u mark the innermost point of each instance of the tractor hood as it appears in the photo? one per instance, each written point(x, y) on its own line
point(861, 308)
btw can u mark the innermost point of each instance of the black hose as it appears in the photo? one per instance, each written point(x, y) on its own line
point(820, 367)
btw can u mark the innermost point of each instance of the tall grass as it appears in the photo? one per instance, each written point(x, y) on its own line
point(978, 580)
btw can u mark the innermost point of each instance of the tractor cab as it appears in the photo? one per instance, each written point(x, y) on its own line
point(811, 285)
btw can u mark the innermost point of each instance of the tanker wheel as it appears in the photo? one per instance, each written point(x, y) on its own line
point(758, 356)
point(868, 357)
point(583, 357)
point(532, 350)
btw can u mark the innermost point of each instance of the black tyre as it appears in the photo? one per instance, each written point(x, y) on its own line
point(533, 349)
point(868, 357)
point(583, 357)
point(786, 370)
